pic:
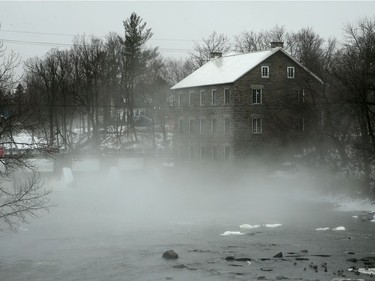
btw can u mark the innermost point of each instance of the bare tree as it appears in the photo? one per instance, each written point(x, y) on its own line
point(354, 68)
point(213, 43)
point(21, 199)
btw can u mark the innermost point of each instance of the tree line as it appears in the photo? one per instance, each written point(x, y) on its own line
point(79, 97)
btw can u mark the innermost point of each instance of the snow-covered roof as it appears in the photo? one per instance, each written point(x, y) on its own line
point(228, 69)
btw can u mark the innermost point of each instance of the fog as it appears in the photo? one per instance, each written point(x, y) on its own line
point(114, 199)
point(113, 224)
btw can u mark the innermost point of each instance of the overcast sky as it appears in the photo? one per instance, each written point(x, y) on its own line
point(175, 24)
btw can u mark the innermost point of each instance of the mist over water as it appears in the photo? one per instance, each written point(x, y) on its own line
point(115, 225)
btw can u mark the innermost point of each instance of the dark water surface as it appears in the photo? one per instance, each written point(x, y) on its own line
point(118, 228)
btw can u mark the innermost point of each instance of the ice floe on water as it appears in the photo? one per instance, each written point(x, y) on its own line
point(339, 228)
point(227, 233)
point(322, 228)
point(249, 226)
point(369, 271)
point(273, 225)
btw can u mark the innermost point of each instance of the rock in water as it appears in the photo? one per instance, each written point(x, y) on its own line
point(279, 255)
point(170, 255)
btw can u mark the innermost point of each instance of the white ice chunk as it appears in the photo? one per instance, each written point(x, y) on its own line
point(322, 228)
point(339, 228)
point(355, 217)
point(249, 226)
point(272, 225)
point(227, 233)
point(369, 271)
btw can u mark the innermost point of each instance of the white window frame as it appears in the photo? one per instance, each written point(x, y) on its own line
point(191, 93)
point(264, 68)
point(213, 97)
point(256, 98)
point(226, 96)
point(201, 126)
point(226, 152)
point(257, 125)
point(191, 152)
point(226, 125)
point(180, 126)
point(191, 124)
point(214, 153)
point(179, 99)
point(297, 125)
point(213, 125)
point(201, 97)
point(290, 75)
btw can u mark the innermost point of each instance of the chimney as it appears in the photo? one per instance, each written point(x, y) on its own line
point(276, 44)
point(215, 55)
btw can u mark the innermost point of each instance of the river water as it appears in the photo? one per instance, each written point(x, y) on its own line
point(116, 227)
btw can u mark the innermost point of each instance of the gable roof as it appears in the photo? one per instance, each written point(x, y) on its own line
point(228, 69)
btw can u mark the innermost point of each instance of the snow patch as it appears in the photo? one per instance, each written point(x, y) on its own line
point(227, 233)
point(249, 226)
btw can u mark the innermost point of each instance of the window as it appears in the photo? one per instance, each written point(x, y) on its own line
point(205, 153)
point(191, 95)
point(299, 124)
point(180, 126)
point(201, 98)
point(179, 99)
point(257, 125)
point(290, 72)
point(226, 125)
point(257, 96)
point(214, 153)
point(226, 96)
point(265, 71)
point(226, 152)
point(201, 126)
point(180, 152)
point(191, 126)
point(191, 152)
point(214, 97)
point(213, 126)
point(299, 96)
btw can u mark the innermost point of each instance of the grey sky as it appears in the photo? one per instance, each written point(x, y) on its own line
point(175, 24)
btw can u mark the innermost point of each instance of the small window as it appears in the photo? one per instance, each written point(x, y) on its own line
point(191, 152)
point(191, 95)
point(201, 126)
point(214, 97)
point(257, 125)
point(205, 153)
point(201, 98)
point(299, 96)
point(213, 126)
point(265, 71)
point(226, 152)
point(226, 125)
point(214, 153)
point(226, 96)
point(179, 99)
point(257, 96)
point(180, 126)
point(299, 124)
point(290, 72)
point(191, 126)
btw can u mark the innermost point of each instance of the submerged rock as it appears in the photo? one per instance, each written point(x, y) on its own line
point(170, 255)
point(179, 266)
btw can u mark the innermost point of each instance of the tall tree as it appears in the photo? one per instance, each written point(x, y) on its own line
point(136, 59)
point(354, 67)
